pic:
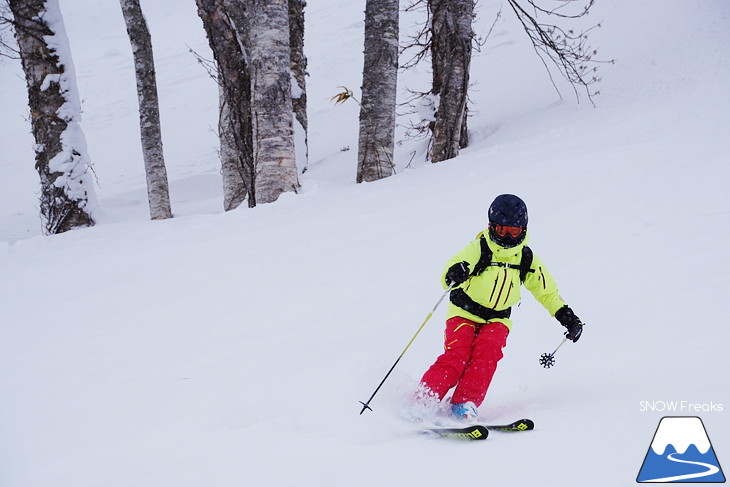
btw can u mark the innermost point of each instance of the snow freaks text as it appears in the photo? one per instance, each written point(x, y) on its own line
point(687, 407)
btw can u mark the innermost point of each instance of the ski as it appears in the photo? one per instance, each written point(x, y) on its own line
point(474, 432)
point(519, 425)
point(481, 431)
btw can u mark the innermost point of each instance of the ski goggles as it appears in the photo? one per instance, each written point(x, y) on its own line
point(503, 230)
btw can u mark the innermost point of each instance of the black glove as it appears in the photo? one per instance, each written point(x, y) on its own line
point(567, 318)
point(457, 274)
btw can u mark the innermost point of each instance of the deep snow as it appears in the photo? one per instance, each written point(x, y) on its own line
point(229, 349)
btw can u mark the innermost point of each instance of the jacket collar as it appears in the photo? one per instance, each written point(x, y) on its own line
point(502, 252)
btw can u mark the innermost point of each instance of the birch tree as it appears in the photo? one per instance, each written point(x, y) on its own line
point(235, 124)
point(158, 192)
point(451, 45)
point(251, 44)
point(67, 198)
point(380, 75)
point(299, 85)
point(271, 101)
point(447, 38)
point(235, 185)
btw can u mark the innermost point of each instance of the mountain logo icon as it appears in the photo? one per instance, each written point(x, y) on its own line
point(681, 452)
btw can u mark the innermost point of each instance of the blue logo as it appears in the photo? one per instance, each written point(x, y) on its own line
point(681, 452)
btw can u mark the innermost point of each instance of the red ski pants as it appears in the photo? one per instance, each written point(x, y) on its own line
point(472, 351)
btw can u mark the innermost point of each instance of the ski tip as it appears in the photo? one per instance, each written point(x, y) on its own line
point(525, 424)
point(519, 425)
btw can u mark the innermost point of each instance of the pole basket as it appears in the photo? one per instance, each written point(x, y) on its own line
point(547, 360)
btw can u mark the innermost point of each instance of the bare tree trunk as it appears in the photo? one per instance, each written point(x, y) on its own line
point(67, 197)
point(451, 46)
point(237, 183)
point(299, 85)
point(379, 87)
point(234, 185)
point(276, 170)
point(158, 193)
point(235, 122)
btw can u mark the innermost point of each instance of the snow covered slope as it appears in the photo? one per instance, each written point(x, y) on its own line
point(231, 349)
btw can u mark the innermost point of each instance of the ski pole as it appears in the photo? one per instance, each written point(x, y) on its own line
point(547, 360)
point(366, 405)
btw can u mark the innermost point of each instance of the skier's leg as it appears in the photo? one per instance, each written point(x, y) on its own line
point(487, 351)
point(446, 371)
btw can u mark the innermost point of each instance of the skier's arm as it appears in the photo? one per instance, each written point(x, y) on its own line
point(469, 255)
point(541, 284)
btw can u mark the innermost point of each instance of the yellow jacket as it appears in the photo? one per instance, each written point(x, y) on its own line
point(498, 288)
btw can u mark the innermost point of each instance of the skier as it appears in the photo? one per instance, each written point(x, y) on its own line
point(486, 276)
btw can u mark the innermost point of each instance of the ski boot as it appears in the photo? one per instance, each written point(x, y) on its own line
point(465, 411)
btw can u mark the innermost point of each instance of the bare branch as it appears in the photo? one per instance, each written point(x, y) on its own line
point(483, 40)
point(567, 50)
point(209, 65)
point(421, 40)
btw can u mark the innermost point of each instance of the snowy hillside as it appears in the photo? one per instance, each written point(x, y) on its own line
point(232, 349)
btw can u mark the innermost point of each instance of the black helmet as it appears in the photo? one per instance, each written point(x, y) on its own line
point(507, 210)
